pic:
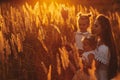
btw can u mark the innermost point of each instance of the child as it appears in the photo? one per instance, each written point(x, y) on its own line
point(89, 45)
point(83, 24)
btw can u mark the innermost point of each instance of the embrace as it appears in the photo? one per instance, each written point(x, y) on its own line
point(96, 45)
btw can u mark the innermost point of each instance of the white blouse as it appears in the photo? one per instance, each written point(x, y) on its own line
point(102, 54)
point(78, 37)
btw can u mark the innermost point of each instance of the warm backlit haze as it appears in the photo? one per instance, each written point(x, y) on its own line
point(36, 37)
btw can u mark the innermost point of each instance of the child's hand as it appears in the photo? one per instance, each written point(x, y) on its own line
point(85, 63)
point(80, 52)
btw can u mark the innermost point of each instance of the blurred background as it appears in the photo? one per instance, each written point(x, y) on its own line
point(36, 37)
point(112, 5)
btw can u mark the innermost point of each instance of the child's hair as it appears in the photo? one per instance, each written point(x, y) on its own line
point(83, 16)
point(91, 41)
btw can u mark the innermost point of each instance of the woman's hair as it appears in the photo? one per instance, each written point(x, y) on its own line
point(107, 38)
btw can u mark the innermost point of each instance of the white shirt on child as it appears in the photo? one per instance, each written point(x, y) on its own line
point(78, 37)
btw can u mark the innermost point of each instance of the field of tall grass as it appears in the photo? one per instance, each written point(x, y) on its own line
point(37, 43)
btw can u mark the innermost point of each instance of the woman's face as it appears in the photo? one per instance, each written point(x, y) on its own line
point(96, 28)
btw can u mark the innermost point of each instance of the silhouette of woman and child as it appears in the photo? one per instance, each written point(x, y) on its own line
point(98, 46)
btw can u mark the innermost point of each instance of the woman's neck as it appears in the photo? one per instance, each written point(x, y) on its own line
point(99, 41)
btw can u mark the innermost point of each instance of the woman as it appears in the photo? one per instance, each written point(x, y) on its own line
point(105, 53)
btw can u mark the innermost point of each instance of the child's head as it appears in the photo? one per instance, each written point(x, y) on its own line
point(89, 43)
point(83, 21)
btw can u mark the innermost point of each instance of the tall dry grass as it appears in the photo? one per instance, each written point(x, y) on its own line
point(35, 42)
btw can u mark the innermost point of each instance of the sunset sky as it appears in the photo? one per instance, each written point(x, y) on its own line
point(104, 4)
point(97, 1)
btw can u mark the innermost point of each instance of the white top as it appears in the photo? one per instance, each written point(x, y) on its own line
point(102, 54)
point(78, 37)
point(85, 55)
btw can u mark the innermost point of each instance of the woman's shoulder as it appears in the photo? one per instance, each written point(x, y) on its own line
point(102, 54)
point(103, 47)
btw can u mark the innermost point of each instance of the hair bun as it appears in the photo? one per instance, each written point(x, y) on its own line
point(80, 14)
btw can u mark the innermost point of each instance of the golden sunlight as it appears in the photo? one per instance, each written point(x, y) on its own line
point(38, 39)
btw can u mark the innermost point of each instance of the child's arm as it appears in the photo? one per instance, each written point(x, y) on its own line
point(80, 52)
point(91, 57)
